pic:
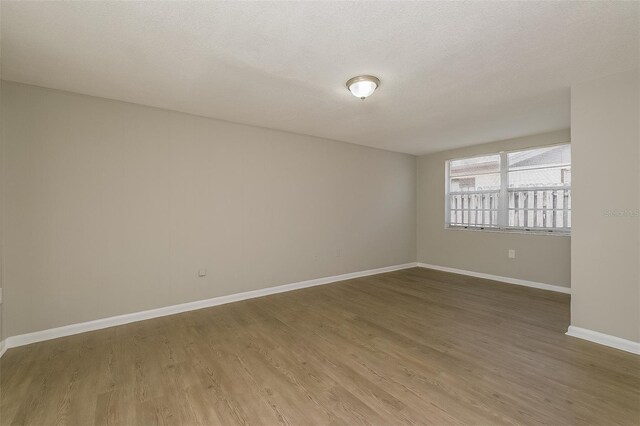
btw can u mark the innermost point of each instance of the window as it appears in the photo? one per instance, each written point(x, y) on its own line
point(474, 191)
point(527, 190)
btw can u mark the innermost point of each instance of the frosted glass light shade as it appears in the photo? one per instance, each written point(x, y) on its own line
point(363, 86)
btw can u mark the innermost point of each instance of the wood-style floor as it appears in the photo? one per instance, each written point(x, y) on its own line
point(413, 346)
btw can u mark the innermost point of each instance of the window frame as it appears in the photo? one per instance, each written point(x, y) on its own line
point(503, 197)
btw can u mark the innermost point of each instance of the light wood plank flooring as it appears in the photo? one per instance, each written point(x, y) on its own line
point(413, 346)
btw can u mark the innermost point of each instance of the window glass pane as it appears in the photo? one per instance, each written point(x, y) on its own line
point(559, 155)
point(546, 209)
point(540, 167)
point(475, 166)
point(553, 176)
point(474, 209)
point(485, 182)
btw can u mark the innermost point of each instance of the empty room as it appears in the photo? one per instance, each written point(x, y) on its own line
point(320, 213)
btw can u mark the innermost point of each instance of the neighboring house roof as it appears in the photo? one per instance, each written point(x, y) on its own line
point(559, 155)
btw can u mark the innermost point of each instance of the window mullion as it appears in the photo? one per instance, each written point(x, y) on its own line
point(503, 207)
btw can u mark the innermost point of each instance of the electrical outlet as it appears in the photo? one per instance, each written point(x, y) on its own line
point(202, 272)
point(512, 254)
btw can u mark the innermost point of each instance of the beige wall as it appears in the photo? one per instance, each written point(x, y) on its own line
point(112, 208)
point(605, 116)
point(540, 258)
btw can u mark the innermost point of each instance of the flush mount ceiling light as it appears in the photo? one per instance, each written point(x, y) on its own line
point(363, 86)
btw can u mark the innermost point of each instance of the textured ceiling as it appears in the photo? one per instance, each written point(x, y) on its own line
point(453, 74)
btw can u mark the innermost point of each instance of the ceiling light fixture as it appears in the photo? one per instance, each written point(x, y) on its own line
point(363, 86)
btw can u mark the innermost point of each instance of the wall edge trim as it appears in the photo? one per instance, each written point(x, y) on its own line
point(98, 324)
point(508, 280)
point(604, 339)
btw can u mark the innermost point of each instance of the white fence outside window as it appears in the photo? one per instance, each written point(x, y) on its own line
point(527, 190)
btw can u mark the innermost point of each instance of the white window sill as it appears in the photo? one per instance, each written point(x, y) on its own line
point(509, 231)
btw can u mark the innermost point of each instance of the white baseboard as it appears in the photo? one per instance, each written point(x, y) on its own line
point(604, 339)
point(507, 280)
point(68, 330)
point(3, 348)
